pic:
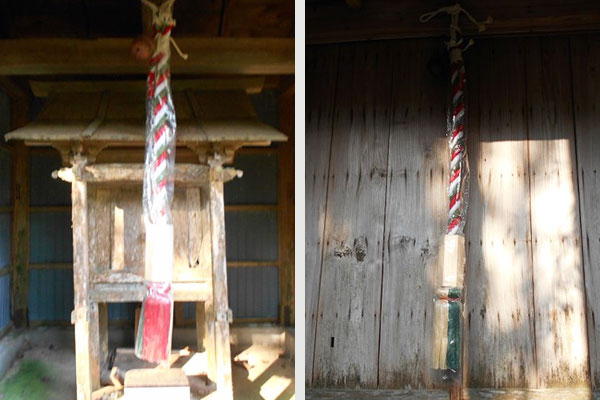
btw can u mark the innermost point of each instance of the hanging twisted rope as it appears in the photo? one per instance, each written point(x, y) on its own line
point(459, 169)
point(153, 340)
point(448, 302)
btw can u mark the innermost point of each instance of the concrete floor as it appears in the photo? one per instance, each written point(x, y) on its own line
point(45, 365)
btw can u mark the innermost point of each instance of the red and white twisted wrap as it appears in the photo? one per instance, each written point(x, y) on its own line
point(459, 170)
point(160, 121)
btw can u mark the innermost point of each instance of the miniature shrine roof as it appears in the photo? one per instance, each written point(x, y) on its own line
point(118, 118)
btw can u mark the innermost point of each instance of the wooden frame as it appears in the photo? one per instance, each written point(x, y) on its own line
point(93, 290)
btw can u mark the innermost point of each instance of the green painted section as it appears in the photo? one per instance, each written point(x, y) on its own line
point(454, 343)
point(454, 293)
point(30, 382)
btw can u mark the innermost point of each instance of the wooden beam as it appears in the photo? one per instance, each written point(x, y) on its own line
point(354, 3)
point(285, 212)
point(251, 84)
point(334, 21)
point(220, 56)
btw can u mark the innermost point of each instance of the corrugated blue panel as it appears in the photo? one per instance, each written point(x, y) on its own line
point(5, 233)
point(251, 235)
point(4, 300)
point(253, 293)
point(43, 189)
point(266, 104)
point(121, 311)
point(50, 294)
point(189, 311)
point(259, 183)
point(51, 237)
point(4, 177)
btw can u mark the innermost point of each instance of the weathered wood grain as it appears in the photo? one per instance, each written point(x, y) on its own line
point(415, 216)
point(499, 311)
point(124, 292)
point(347, 334)
point(321, 67)
point(99, 217)
point(560, 325)
point(219, 288)
point(20, 232)
point(85, 314)
point(585, 53)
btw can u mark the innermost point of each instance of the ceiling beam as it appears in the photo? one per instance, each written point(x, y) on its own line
point(217, 56)
point(329, 21)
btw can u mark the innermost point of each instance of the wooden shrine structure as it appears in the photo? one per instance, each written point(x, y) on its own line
point(100, 136)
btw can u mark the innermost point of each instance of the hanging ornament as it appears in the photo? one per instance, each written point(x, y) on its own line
point(153, 340)
point(447, 332)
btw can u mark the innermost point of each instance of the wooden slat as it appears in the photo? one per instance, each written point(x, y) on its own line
point(560, 325)
point(128, 292)
point(251, 264)
point(415, 216)
point(220, 56)
point(185, 174)
point(586, 94)
point(321, 74)
point(347, 334)
point(251, 207)
point(499, 310)
point(330, 21)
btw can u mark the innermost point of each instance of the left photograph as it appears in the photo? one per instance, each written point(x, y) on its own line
point(147, 200)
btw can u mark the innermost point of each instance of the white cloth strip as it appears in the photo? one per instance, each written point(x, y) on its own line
point(454, 208)
point(457, 95)
point(160, 168)
point(161, 113)
point(160, 88)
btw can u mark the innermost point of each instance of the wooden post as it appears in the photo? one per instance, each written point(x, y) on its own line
point(200, 326)
point(285, 209)
point(86, 313)
point(219, 282)
point(19, 99)
point(103, 335)
point(20, 234)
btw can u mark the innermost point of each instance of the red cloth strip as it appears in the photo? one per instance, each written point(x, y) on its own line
point(160, 105)
point(456, 152)
point(167, 30)
point(457, 131)
point(454, 200)
point(453, 224)
point(458, 87)
point(160, 159)
point(459, 108)
point(160, 132)
point(455, 175)
point(156, 59)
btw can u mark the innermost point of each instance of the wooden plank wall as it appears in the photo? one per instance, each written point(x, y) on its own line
point(585, 65)
point(376, 173)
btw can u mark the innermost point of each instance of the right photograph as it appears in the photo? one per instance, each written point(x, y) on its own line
point(452, 200)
